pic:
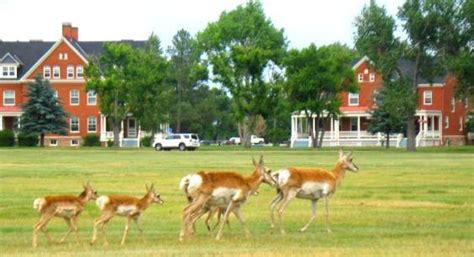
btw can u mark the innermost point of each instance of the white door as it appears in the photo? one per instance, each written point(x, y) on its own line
point(132, 127)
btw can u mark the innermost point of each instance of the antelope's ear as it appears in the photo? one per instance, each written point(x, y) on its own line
point(152, 187)
point(341, 153)
point(349, 155)
point(261, 160)
point(254, 162)
point(88, 184)
point(146, 186)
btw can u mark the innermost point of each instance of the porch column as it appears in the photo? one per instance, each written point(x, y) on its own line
point(432, 125)
point(1, 122)
point(294, 127)
point(314, 124)
point(332, 128)
point(336, 132)
point(358, 127)
point(440, 127)
point(425, 124)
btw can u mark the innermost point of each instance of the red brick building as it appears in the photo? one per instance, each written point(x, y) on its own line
point(62, 63)
point(439, 119)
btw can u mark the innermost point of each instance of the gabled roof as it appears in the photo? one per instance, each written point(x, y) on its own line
point(10, 59)
point(28, 52)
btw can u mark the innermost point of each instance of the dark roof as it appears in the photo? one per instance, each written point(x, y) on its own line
point(406, 67)
point(26, 52)
point(29, 52)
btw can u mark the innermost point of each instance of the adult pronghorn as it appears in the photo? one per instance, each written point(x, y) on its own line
point(221, 189)
point(65, 206)
point(124, 205)
point(311, 184)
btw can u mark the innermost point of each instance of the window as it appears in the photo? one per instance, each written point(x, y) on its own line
point(375, 95)
point(70, 72)
point(372, 77)
point(60, 56)
point(8, 97)
point(446, 122)
point(460, 124)
point(427, 97)
point(74, 97)
point(65, 56)
point(353, 124)
point(353, 99)
point(360, 77)
point(56, 72)
point(79, 72)
point(46, 72)
point(91, 97)
point(74, 125)
point(91, 124)
point(453, 104)
point(74, 142)
point(53, 142)
point(56, 94)
point(8, 72)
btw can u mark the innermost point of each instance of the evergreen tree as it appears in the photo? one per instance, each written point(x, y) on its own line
point(43, 113)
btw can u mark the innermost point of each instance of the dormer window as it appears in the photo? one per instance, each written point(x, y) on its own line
point(8, 71)
point(9, 65)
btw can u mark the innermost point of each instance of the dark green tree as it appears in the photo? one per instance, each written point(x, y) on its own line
point(240, 46)
point(42, 113)
point(315, 78)
point(107, 76)
point(392, 103)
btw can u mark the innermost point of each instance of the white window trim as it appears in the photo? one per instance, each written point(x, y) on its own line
point(72, 140)
point(461, 127)
point(88, 123)
point(70, 97)
point(425, 97)
point(8, 67)
point(360, 77)
point(56, 67)
point(89, 103)
point(50, 144)
point(446, 122)
point(70, 71)
point(453, 104)
point(46, 68)
point(78, 125)
point(372, 77)
point(353, 96)
point(4, 97)
point(81, 69)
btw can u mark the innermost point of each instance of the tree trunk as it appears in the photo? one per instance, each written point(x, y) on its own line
point(411, 137)
point(248, 127)
point(387, 145)
point(321, 138)
point(178, 114)
point(313, 132)
point(117, 128)
point(42, 140)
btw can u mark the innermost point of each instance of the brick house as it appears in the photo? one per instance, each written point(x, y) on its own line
point(439, 117)
point(62, 63)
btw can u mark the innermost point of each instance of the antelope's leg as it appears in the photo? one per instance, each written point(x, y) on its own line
point(211, 213)
point(125, 231)
point(290, 194)
point(136, 219)
point(39, 226)
point(191, 208)
point(240, 217)
point(74, 226)
point(102, 220)
point(230, 208)
point(68, 222)
point(328, 227)
point(278, 197)
point(313, 214)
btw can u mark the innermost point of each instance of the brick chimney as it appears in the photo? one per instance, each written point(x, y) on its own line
point(70, 32)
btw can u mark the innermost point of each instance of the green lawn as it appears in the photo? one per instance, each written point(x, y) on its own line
point(399, 204)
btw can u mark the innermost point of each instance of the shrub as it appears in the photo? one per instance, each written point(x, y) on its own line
point(146, 141)
point(91, 140)
point(110, 143)
point(27, 140)
point(7, 138)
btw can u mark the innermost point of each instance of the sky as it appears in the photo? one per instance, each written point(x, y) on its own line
point(304, 21)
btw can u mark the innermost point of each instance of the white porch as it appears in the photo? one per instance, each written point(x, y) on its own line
point(10, 120)
point(130, 133)
point(429, 128)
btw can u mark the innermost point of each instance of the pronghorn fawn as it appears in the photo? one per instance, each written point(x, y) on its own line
point(311, 184)
point(211, 210)
point(65, 206)
point(124, 205)
point(227, 190)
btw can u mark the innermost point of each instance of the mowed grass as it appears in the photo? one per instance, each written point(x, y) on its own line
point(399, 204)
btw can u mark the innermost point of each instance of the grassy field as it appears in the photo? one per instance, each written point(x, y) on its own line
point(399, 204)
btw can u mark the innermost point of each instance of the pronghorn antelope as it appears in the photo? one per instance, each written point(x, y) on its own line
point(311, 184)
point(123, 205)
point(211, 210)
point(221, 189)
point(65, 206)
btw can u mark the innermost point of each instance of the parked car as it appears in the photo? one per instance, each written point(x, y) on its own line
point(253, 140)
point(182, 141)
